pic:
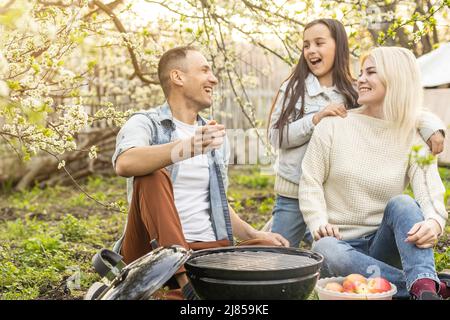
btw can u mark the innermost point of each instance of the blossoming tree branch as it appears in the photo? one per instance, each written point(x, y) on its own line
point(72, 71)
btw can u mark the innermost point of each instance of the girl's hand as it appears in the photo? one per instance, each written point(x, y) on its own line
point(327, 230)
point(424, 234)
point(330, 111)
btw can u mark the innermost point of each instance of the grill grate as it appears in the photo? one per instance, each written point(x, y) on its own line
point(252, 261)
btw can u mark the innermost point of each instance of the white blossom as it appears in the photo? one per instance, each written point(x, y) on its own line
point(93, 152)
point(61, 164)
point(4, 89)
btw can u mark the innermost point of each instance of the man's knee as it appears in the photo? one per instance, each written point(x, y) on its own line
point(157, 179)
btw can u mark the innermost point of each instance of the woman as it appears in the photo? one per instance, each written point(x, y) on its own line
point(320, 86)
point(354, 173)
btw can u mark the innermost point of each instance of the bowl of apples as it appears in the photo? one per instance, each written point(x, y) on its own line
point(355, 287)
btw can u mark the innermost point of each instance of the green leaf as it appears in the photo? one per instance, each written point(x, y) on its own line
point(92, 64)
point(36, 68)
point(14, 85)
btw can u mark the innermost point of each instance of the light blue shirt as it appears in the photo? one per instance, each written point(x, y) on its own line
point(156, 127)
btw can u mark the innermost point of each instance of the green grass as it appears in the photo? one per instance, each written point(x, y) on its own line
point(48, 236)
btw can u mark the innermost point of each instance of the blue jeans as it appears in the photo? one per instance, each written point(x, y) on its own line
point(288, 221)
point(383, 253)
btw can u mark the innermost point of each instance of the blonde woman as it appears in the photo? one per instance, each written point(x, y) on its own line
point(355, 172)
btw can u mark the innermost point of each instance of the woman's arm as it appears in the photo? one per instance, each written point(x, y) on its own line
point(315, 168)
point(429, 192)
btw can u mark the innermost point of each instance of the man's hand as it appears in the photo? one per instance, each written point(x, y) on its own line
point(327, 230)
point(436, 142)
point(329, 111)
point(208, 137)
point(424, 234)
point(276, 238)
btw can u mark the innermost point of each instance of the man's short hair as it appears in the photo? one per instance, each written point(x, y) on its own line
point(171, 59)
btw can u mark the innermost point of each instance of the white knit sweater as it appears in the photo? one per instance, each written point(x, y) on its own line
point(353, 166)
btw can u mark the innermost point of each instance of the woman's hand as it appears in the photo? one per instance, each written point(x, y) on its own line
point(276, 238)
point(327, 230)
point(436, 142)
point(329, 111)
point(424, 234)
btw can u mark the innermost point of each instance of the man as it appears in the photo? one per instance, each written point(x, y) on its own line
point(179, 163)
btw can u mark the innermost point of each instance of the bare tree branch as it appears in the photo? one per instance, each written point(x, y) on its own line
point(254, 7)
point(137, 70)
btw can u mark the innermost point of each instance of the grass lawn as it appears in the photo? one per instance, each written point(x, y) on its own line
point(48, 236)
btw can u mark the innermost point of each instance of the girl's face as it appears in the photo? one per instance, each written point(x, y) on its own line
point(319, 49)
point(371, 91)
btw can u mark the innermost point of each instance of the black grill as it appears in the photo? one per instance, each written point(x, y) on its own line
point(252, 261)
point(253, 272)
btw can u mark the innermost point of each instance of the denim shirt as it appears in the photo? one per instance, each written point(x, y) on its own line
point(295, 140)
point(156, 127)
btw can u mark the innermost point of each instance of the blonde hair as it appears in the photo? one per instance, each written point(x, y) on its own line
point(400, 74)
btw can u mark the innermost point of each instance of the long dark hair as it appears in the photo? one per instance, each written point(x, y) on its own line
point(342, 78)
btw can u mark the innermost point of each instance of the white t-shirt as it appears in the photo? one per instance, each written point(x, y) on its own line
point(191, 192)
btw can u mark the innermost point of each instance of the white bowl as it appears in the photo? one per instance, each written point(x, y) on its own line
point(325, 294)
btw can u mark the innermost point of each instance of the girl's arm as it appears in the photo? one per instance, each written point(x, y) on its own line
point(299, 132)
point(428, 125)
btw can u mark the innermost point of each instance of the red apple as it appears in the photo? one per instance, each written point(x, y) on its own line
point(334, 286)
point(355, 277)
point(377, 285)
point(349, 286)
point(352, 281)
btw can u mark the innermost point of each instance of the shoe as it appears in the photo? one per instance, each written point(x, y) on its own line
point(445, 278)
point(427, 295)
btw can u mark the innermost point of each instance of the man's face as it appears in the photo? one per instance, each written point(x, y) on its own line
point(198, 80)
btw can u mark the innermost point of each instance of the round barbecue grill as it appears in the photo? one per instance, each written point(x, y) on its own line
point(254, 272)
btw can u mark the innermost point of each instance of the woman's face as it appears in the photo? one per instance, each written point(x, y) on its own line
point(371, 91)
point(319, 49)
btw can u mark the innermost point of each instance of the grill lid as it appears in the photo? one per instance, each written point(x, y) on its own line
point(252, 261)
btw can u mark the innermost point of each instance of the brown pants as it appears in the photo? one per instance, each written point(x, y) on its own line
point(153, 215)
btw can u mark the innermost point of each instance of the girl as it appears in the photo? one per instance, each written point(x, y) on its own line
point(353, 176)
point(320, 86)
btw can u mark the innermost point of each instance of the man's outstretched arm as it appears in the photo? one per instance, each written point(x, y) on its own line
point(244, 231)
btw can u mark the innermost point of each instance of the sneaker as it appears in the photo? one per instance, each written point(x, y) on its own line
point(427, 295)
point(445, 278)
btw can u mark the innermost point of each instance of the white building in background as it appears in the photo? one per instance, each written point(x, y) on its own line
point(435, 69)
